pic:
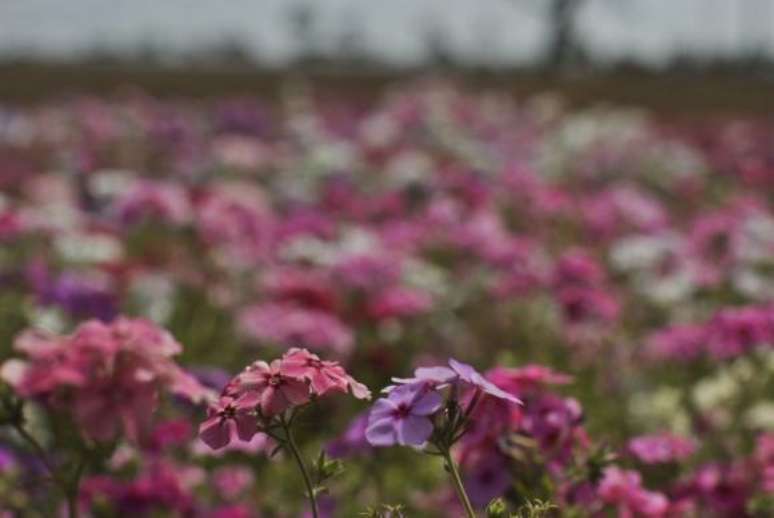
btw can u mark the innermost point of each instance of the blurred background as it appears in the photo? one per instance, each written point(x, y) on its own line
point(669, 54)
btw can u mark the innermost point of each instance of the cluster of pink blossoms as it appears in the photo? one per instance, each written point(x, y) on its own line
point(108, 376)
point(264, 390)
point(731, 332)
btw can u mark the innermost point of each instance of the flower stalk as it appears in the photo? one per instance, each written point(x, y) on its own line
point(459, 487)
point(290, 444)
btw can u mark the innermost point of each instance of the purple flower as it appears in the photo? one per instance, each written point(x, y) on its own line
point(440, 377)
point(402, 417)
point(488, 478)
point(353, 440)
point(435, 377)
point(474, 378)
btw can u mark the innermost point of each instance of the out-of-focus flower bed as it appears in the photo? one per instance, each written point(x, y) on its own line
point(613, 273)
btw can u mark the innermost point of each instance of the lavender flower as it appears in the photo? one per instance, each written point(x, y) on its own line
point(474, 378)
point(461, 373)
point(402, 417)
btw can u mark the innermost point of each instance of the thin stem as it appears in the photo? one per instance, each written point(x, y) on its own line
point(68, 488)
point(293, 447)
point(455, 474)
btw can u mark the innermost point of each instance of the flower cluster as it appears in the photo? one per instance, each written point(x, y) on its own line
point(614, 271)
point(404, 416)
point(730, 333)
point(265, 390)
point(109, 377)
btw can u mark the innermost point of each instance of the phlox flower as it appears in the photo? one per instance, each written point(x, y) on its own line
point(256, 399)
point(323, 376)
point(109, 375)
point(624, 490)
point(473, 378)
point(402, 417)
point(352, 441)
point(459, 373)
point(264, 384)
point(659, 448)
point(289, 324)
point(227, 419)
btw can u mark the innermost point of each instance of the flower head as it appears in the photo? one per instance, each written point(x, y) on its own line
point(273, 391)
point(263, 392)
point(323, 376)
point(226, 419)
point(402, 417)
point(110, 375)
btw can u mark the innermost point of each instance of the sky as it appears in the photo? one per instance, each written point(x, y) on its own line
point(478, 30)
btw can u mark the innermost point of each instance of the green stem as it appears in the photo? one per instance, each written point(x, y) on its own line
point(455, 474)
point(68, 487)
point(293, 447)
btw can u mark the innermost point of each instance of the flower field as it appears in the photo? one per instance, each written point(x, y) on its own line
point(431, 304)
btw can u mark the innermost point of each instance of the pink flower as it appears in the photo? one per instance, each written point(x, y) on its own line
point(680, 342)
point(231, 481)
point(228, 419)
point(527, 378)
point(153, 200)
point(624, 490)
point(289, 324)
point(735, 331)
point(654, 449)
point(323, 376)
point(577, 268)
point(272, 390)
point(252, 399)
point(398, 302)
point(110, 376)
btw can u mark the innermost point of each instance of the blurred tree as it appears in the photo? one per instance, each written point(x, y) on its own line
point(352, 48)
point(302, 24)
point(438, 50)
point(564, 46)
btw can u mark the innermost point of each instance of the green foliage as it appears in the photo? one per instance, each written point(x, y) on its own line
point(531, 509)
point(324, 469)
point(384, 511)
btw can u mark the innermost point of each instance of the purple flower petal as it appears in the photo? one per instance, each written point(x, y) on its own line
point(427, 404)
point(381, 432)
point(471, 376)
point(413, 430)
point(435, 374)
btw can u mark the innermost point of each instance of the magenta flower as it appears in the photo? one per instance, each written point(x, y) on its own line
point(623, 489)
point(660, 448)
point(402, 417)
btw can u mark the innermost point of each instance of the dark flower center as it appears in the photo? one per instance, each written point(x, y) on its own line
point(403, 410)
point(314, 363)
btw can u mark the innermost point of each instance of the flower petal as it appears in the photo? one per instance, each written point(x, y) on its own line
point(381, 432)
point(214, 433)
point(426, 404)
point(413, 430)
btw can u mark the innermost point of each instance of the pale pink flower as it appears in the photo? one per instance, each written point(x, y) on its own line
point(270, 389)
point(228, 419)
point(323, 376)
